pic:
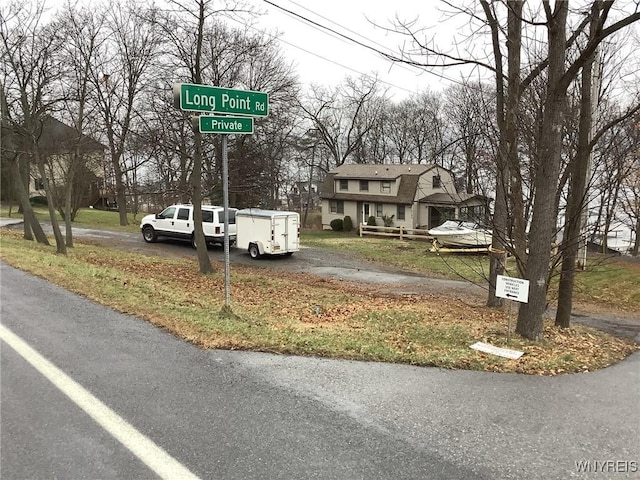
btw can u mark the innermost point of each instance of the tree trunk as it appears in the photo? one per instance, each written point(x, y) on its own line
point(57, 234)
point(68, 207)
point(517, 238)
point(636, 244)
point(121, 194)
point(576, 202)
point(507, 148)
point(530, 322)
point(31, 225)
point(204, 261)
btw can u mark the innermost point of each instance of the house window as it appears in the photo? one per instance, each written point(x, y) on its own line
point(39, 184)
point(437, 182)
point(336, 206)
point(400, 212)
point(385, 187)
point(379, 210)
point(344, 184)
point(364, 185)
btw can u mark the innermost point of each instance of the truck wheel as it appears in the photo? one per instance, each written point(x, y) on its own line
point(254, 251)
point(149, 234)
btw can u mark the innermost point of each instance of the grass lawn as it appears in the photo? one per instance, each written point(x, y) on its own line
point(85, 218)
point(294, 313)
point(608, 283)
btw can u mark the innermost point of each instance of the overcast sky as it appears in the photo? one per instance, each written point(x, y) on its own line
point(326, 58)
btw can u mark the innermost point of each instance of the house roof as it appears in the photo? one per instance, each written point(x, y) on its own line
point(406, 190)
point(59, 138)
point(446, 198)
point(377, 172)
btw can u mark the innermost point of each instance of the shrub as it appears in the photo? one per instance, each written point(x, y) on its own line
point(347, 224)
point(337, 225)
point(38, 201)
point(388, 220)
point(371, 221)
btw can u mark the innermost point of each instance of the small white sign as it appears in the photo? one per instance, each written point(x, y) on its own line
point(501, 352)
point(512, 288)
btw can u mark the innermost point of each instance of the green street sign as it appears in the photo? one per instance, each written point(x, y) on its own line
point(213, 124)
point(205, 98)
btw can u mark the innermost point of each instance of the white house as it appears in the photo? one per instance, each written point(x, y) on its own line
point(412, 196)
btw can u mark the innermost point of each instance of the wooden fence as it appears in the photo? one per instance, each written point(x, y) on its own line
point(398, 232)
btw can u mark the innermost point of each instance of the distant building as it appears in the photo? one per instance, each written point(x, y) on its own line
point(57, 144)
point(414, 196)
point(304, 195)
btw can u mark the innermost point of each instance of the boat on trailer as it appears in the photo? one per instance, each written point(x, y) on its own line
point(460, 234)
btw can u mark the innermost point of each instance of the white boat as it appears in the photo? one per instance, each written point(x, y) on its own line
point(454, 233)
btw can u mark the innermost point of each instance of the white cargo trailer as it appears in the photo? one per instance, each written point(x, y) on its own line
point(267, 232)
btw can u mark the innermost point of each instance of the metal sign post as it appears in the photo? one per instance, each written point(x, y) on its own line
point(225, 202)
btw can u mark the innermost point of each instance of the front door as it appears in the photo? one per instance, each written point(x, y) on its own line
point(366, 212)
point(439, 215)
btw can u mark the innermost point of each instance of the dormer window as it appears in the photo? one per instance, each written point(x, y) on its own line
point(364, 185)
point(344, 184)
point(385, 187)
point(437, 182)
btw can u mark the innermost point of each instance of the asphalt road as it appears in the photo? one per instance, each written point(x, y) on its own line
point(223, 414)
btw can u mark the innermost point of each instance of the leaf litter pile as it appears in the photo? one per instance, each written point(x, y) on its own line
point(302, 314)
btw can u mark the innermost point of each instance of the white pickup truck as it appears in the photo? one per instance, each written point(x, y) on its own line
point(176, 222)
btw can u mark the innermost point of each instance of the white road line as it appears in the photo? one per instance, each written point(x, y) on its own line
point(142, 447)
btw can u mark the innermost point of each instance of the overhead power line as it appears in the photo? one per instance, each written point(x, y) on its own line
point(322, 57)
point(332, 32)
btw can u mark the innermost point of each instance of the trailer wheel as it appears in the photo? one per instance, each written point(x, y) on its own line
point(254, 251)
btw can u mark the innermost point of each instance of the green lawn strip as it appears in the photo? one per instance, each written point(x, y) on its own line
point(610, 283)
point(85, 218)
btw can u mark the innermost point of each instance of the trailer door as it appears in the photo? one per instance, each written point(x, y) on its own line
point(293, 229)
point(279, 233)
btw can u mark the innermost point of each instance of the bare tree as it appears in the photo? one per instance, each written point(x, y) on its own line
point(82, 30)
point(560, 69)
point(344, 116)
point(28, 54)
point(631, 186)
point(614, 163)
point(118, 76)
point(466, 113)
